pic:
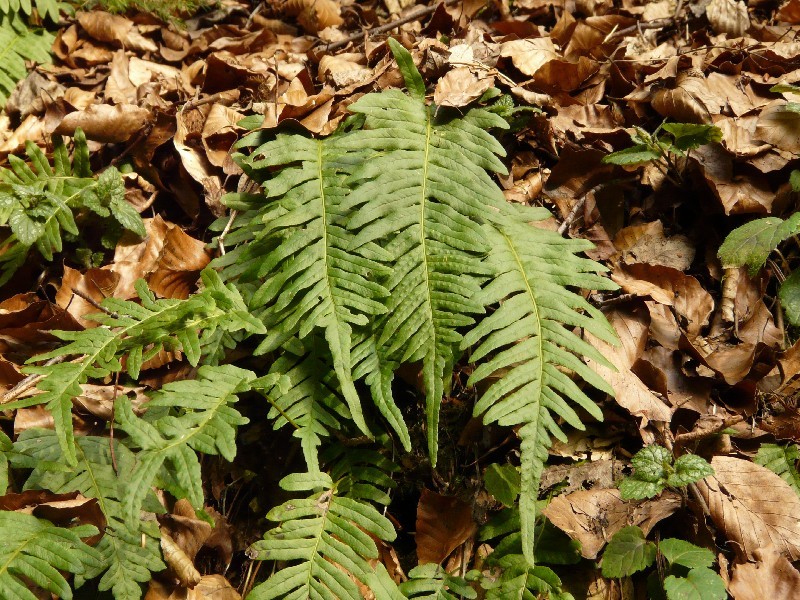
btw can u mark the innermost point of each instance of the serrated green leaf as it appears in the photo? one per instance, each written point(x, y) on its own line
point(638, 154)
point(631, 488)
point(681, 552)
point(689, 468)
point(502, 482)
point(688, 136)
point(627, 553)
point(651, 463)
point(699, 584)
point(789, 294)
point(751, 244)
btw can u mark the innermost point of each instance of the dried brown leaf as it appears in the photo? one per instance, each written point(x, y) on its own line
point(96, 284)
point(461, 86)
point(529, 55)
point(443, 524)
point(772, 576)
point(728, 16)
point(592, 517)
point(106, 123)
point(753, 507)
point(630, 392)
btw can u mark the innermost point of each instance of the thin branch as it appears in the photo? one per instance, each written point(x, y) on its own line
point(94, 303)
point(414, 15)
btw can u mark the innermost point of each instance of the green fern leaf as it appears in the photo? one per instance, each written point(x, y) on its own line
point(431, 582)
point(425, 188)
point(329, 537)
point(781, 460)
point(18, 43)
point(37, 201)
point(38, 550)
point(520, 580)
point(128, 553)
point(311, 278)
point(138, 331)
point(183, 418)
point(529, 344)
point(302, 391)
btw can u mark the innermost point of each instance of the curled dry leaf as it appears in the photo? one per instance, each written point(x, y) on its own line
point(728, 16)
point(106, 123)
point(443, 524)
point(109, 28)
point(529, 55)
point(592, 517)
point(779, 127)
point(210, 587)
point(314, 15)
point(753, 507)
point(631, 393)
point(461, 86)
point(689, 101)
point(772, 576)
point(96, 284)
point(60, 509)
point(169, 259)
point(670, 287)
point(179, 562)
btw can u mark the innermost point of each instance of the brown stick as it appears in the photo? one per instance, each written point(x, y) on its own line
point(412, 16)
point(27, 383)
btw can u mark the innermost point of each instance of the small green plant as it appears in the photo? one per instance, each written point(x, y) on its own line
point(654, 469)
point(668, 150)
point(751, 244)
point(688, 567)
point(39, 202)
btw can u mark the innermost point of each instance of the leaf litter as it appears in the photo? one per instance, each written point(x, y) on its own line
point(706, 356)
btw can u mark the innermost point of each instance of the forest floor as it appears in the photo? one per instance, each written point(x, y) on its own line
point(709, 361)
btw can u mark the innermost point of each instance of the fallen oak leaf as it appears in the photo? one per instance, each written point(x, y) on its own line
point(753, 507)
point(106, 123)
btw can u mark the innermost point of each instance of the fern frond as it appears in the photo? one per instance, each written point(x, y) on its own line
point(425, 188)
point(137, 332)
point(182, 418)
point(129, 552)
point(519, 579)
point(37, 200)
point(311, 277)
point(303, 392)
point(37, 550)
point(329, 537)
point(19, 43)
point(432, 582)
point(527, 344)
point(360, 473)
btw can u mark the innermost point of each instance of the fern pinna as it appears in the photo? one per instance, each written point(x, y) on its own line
point(386, 244)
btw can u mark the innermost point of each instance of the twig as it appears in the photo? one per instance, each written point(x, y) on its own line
point(693, 436)
point(573, 214)
point(412, 16)
point(29, 382)
point(657, 24)
point(94, 303)
point(221, 238)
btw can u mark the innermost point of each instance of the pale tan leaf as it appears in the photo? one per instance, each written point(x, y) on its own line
point(630, 392)
point(779, 127)
point(529, 55)
point(753, 507)
point(771, 577)
point(106, 123)
point(460, 86)
point(728, 16)
point(592, 517)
